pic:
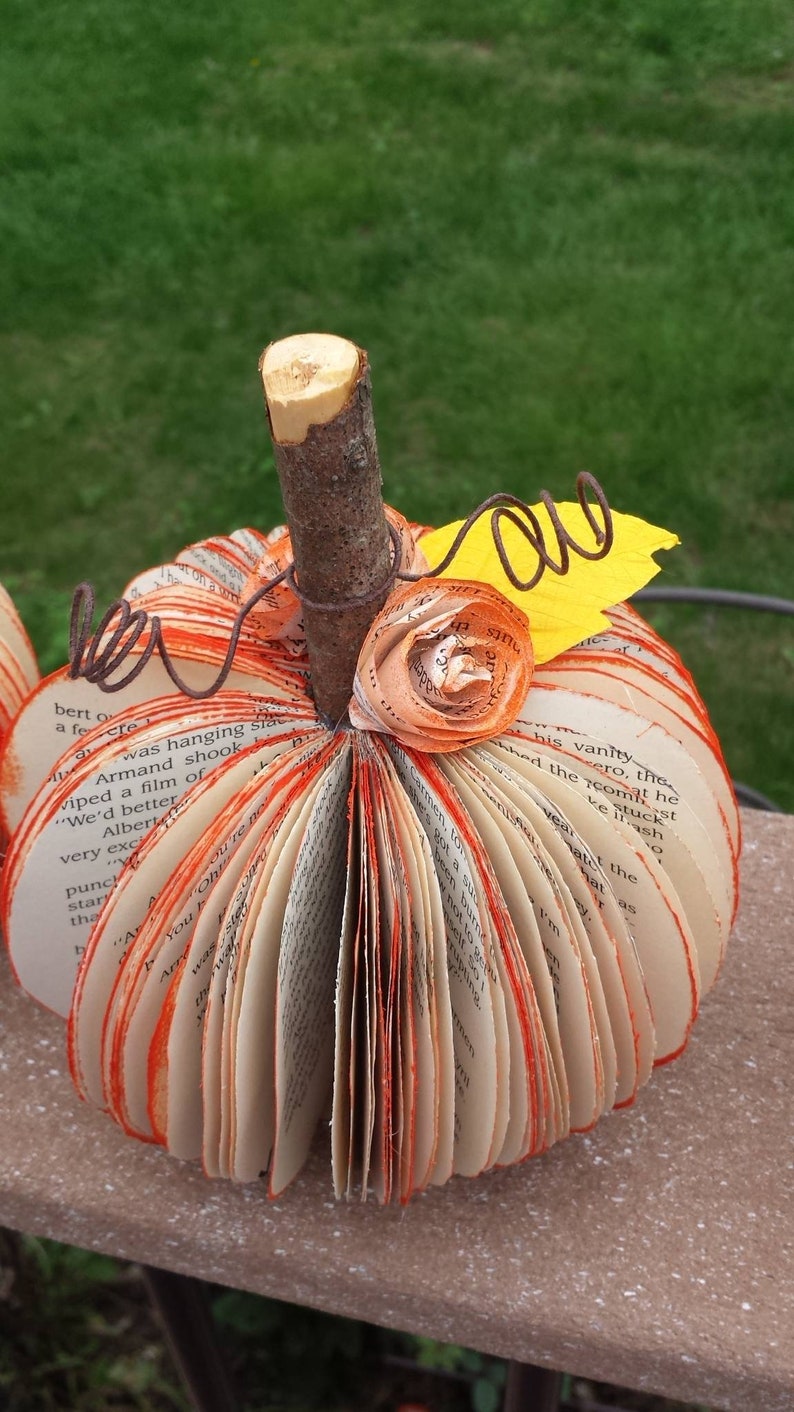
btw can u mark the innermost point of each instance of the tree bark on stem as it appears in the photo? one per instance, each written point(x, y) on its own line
point(319, 404)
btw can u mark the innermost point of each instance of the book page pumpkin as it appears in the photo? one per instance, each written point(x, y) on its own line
point(19, 672)
point(462, 922)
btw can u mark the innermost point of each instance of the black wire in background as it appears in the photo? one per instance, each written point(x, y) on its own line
point(725, 598)
point(754, 799)
point(719, 597)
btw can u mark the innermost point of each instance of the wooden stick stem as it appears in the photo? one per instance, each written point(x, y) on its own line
point(317, 391)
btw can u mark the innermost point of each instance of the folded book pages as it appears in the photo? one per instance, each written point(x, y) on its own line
point(19, 673)
point(459, 924)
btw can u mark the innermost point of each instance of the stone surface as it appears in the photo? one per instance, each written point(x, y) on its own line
point(654, 1252)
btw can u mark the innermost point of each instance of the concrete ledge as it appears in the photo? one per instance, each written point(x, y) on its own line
point(655, 1252)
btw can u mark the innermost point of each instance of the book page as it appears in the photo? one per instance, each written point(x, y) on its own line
point(529, 885)
point(12, 694)
point(567, 854)
point(636, 637)
point(529, 1127)
point(360, 1098)
point(631, 643)
point(645, 742)
point(397, 1052)
point(650, 907)
point(71, 848)
point(526, 761)
point(174, 1061)
point(113, 949)
point(429, 942)
point(176, 575)
point(69, 715)
point(501, 952)
point(365, 1010)
point(308, 957)
point(248, 1095)
point(217, 561)
point(468, 947)
point(14, 642)
point(631, 688)
point(232, 946)
point(662, 817)
point(253, 542)
point(422, 1013)
point(344, 1054)
point(214, 1111)
point(163, 935)
point(196, 626)
point(18, 669)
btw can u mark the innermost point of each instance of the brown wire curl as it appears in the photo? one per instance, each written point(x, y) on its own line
point(506, 507)
point(95, 660)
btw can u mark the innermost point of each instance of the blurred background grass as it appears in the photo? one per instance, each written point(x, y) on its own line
point(564, 230)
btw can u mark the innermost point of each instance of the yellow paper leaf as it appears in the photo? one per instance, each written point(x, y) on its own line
point(562, 609)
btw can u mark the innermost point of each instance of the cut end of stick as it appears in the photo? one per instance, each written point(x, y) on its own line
point(308, 378)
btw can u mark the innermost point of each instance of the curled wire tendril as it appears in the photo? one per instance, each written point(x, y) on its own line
point(96, 657)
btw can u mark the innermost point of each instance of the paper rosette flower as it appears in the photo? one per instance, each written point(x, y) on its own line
point(446, 664)
point(248, 917)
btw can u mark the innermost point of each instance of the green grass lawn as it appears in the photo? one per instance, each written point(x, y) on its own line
point(564, 230)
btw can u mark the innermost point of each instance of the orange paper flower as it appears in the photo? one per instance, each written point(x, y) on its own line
point(445, 665)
